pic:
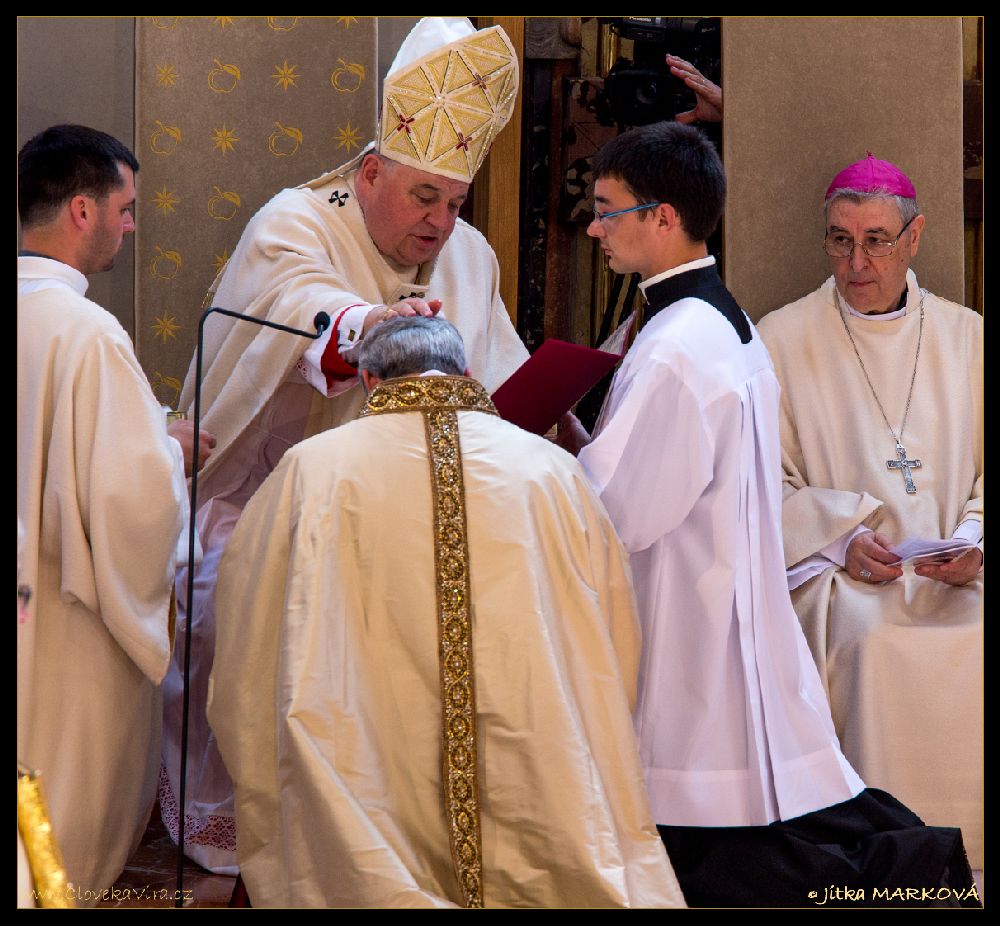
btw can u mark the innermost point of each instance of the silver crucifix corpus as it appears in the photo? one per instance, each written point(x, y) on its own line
point(905, 465)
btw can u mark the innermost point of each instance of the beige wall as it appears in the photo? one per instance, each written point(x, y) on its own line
point(79, 69)
point(804, 97)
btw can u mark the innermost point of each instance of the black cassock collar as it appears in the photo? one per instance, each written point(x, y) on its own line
point(700, 283)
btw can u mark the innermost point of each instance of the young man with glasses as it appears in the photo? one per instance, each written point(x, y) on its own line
point(754, 800)
point(881, 428)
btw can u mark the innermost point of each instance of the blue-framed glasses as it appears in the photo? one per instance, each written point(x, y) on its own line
point(601, 216)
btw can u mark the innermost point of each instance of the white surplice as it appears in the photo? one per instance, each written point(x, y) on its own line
point(326, 691)
point(305, 251)
point(732, 720)
point(903, 662)
point(100, 490)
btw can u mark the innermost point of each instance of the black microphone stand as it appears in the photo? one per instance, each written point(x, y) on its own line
point(321, 322)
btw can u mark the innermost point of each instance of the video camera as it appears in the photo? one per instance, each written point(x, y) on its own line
point(643, 90)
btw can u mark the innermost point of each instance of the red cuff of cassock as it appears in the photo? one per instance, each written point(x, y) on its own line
point(334, 367)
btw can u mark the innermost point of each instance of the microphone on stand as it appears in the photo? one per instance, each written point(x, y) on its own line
point(321, 322)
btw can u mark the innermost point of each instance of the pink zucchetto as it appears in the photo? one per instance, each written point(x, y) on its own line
point(872, 175)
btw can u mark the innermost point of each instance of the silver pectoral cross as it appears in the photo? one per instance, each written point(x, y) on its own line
point(905, 465)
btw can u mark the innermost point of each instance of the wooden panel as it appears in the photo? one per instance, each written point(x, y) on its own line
point(497, 185)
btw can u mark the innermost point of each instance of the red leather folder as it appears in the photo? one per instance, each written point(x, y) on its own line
point(549, 383)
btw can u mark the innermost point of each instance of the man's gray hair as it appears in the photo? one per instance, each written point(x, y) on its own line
point(908, 208)
point(410, 346)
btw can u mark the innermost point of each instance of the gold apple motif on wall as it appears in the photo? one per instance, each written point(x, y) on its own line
point(283, 23)
point(284, 140)
point(223, 204)
point(167, 389)
point(223, 78)
point(166, 265)
point(165, 138)
point(348, 77)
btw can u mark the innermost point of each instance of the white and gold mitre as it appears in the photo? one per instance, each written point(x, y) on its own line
point(448, 94)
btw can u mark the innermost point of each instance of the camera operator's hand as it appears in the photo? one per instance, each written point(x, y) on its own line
point(709, 96)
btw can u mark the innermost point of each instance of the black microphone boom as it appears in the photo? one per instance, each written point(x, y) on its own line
point(321, 322)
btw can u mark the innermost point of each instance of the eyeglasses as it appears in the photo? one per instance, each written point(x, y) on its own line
point(601, 216)
point(837, 244)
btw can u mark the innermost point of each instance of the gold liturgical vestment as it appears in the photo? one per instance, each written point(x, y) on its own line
point(423, 691)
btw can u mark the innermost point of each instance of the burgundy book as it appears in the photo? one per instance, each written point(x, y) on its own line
point(549, 383)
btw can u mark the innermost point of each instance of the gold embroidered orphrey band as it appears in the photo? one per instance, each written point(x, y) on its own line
point(44, 860)
point(440, 398)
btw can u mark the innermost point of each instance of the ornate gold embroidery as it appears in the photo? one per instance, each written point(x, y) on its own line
point(458, 691)
point(44, 859)
point(440, 398)
point(428, 394)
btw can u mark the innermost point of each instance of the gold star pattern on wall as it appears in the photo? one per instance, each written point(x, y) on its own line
point(230, 110)
point(165, 326)
point(165, 200)
point(166, 75)
point(285, 76)
point(224, 139)
point(348, 137)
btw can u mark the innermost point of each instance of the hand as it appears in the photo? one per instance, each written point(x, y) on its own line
point(405, 308)
point(868, 559)
point(183, 432)
point(959, 571)
point(708, 107)
point(571, 435)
